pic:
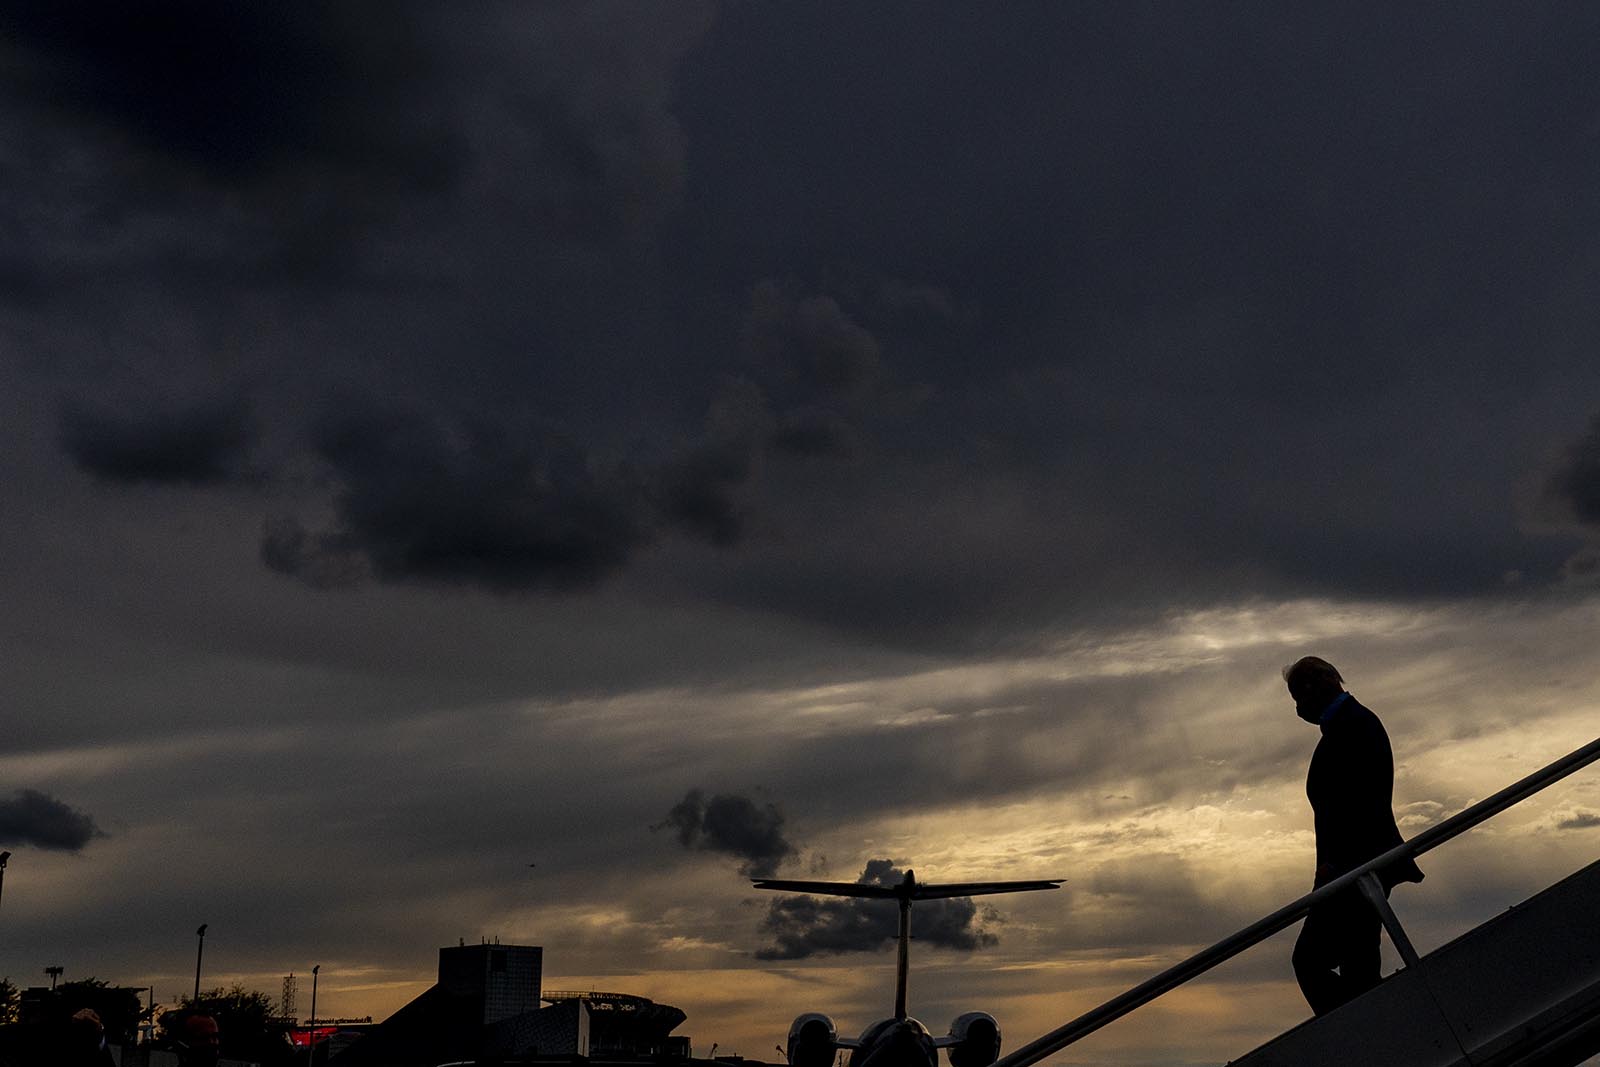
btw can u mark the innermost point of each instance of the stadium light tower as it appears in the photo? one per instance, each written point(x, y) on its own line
point(198, 956)
point(311, 1038)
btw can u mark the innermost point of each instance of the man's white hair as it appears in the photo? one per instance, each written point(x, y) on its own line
point(1312, 667)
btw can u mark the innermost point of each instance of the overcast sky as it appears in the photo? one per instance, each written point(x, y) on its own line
point(518, 469)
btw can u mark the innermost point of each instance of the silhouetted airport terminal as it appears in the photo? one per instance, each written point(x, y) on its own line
point(486, 1004)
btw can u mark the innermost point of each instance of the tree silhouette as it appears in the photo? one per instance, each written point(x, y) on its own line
point(118, 1007)
point(248, 1026)
point(9, 996)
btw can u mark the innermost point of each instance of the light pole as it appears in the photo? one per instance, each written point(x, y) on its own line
point(198, 956)
point(54, 973)
point(311, 1042)
point(3, 857)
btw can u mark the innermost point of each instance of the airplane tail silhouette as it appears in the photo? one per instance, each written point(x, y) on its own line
point(908, 889)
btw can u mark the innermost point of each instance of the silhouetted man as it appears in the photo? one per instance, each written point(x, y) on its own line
point(86, 1042)
point(201, 1044)
point(1351, 789)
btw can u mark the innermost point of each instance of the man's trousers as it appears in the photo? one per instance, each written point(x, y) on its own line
point(1336, 956)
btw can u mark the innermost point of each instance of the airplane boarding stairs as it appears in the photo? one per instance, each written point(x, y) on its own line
point(1521, 990)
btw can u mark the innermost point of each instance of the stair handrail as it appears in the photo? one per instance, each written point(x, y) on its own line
point(1286, 916)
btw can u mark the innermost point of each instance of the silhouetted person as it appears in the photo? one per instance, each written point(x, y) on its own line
point(1351, 789)
point(201, 1043)
point(86, 1042)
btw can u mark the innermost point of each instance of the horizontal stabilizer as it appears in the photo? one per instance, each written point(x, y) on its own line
point(982, 889)
point(830, 889)
point(910, 889)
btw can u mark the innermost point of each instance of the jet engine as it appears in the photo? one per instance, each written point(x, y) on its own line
point(813, 1039)
point(974, 1040)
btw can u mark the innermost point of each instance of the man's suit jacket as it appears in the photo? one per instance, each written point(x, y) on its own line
point(1351, 788)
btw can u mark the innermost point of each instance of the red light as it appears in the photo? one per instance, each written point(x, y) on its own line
point(306, 1036)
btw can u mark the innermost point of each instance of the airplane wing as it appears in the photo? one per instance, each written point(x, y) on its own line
point(935, 891)
point(832, 889)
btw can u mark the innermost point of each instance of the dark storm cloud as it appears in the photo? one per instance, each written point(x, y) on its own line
point(30, 817)
point(810, 341)
point(202, 444)
point(814, 433)
point(822, 368)
point(802, 926)
point(732, 824)
point(425, 498)
point(421, 499)
point(1583, 564)
point(532, 148)
point(233, 146)
point(1034, 344)
point(1167, 276)
point(1574, 490)
point(228, 144)
point(918, 301)
point(1576, 482)
point(239, 91)
point(700, 490)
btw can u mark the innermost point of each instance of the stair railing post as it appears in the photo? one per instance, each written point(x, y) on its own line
point(1372, 889)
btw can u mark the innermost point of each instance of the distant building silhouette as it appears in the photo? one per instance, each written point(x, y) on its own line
point(504, 978)
point(623, 1026)
point(486, 1004)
